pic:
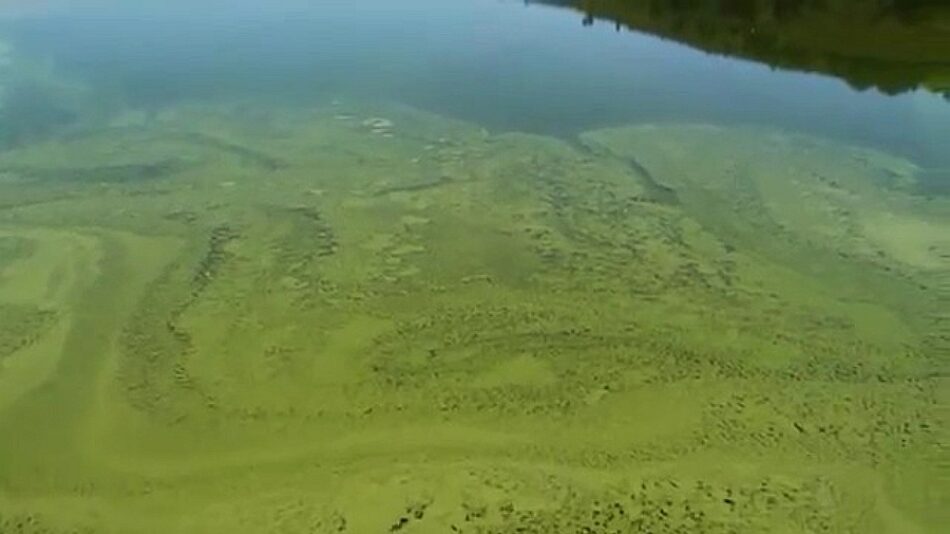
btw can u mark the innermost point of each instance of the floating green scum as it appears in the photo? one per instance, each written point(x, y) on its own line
point(366, 318)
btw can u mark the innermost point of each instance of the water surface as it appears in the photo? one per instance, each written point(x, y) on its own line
point(473, 266)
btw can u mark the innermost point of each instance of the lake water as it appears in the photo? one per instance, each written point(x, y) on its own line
point(474, 266)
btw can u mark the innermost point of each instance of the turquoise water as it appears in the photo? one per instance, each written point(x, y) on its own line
point(473, 266)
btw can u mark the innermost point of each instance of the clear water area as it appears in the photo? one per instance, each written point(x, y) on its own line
point(467, 266)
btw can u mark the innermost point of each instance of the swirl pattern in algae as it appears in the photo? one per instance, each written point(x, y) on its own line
point(370, 319)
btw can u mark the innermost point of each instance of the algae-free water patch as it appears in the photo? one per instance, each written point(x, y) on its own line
point(383, 320)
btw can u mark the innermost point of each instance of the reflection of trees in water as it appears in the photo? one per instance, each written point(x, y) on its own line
point(782, 9)
point(893, 45)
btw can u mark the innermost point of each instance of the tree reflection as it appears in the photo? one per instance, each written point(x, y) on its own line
point(891, 45)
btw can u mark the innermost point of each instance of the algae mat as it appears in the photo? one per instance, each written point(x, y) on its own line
point(372, 319)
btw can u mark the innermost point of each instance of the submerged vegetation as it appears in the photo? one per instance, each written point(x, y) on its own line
point(360, 318)
point(357, 316)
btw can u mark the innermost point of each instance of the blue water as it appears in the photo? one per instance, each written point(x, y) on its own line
point(505, 64)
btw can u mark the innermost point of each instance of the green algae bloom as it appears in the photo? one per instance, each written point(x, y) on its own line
point(230, 309)
point(334, 325)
